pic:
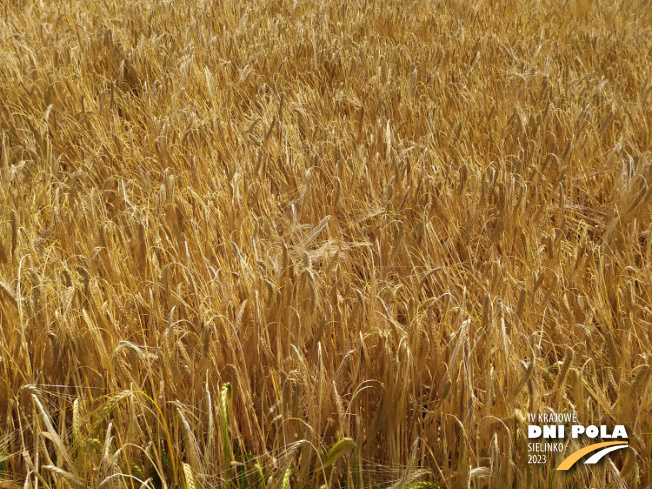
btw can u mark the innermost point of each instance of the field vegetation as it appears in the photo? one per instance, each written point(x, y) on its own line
point(341, 243)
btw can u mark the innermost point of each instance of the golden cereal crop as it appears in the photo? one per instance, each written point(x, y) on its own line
point(340, 243)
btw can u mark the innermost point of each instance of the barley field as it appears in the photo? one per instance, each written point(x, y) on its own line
point(322, 244)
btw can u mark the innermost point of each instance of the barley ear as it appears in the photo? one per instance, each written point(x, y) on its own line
point(286, 478)
point(188, 477)
point(337, 451)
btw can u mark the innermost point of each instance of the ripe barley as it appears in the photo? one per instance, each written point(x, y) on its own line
point(402, 229)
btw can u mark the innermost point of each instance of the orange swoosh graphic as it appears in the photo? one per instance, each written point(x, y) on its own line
point(574, 457)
